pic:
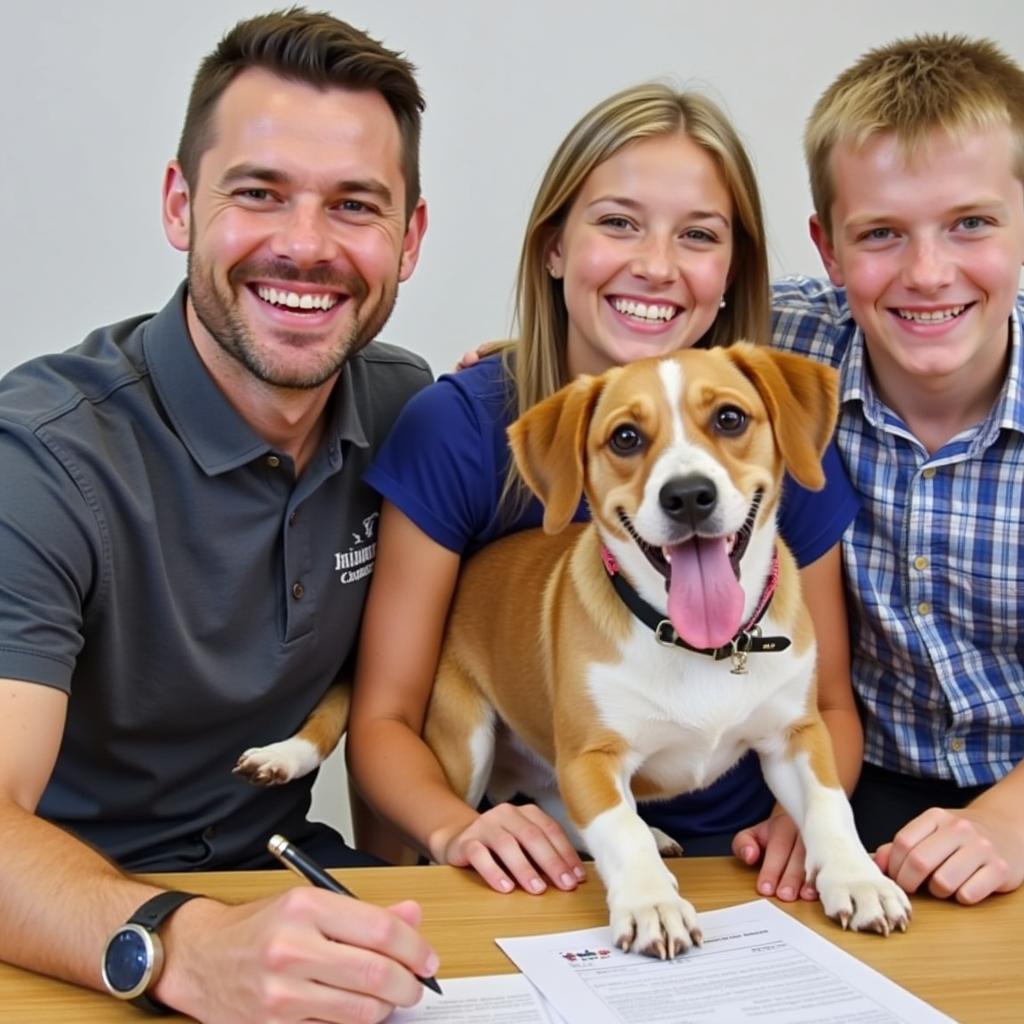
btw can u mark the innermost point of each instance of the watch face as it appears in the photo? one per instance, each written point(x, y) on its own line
point(128, 961)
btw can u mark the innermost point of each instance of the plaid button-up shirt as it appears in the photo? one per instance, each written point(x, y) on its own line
point(934, 561)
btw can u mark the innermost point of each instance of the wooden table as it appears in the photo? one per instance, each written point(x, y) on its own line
point(966, 961)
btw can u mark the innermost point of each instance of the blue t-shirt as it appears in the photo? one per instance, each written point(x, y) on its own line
point(444, 464)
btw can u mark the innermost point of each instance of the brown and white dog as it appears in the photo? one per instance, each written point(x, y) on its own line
point(591, 666)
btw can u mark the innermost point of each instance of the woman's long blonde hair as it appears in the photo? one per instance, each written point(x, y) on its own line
point(536, 362)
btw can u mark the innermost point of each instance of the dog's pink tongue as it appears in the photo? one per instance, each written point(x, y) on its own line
point(705, 600)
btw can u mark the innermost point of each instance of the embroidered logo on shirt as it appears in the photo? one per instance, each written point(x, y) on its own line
point(357, 562)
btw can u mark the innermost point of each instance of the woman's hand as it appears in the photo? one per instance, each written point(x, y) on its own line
point(512, 845)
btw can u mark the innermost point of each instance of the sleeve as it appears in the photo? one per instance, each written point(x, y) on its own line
point(438, 465)
point(50, 550)
point(811, 522)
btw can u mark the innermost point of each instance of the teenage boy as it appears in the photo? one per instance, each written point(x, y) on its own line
point(177, 490)
point(916, 158)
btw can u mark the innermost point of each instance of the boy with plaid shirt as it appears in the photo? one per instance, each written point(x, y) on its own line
point(916, 158)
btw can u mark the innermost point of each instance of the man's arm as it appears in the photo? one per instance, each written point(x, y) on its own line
point(966, 853)
point(306, 954)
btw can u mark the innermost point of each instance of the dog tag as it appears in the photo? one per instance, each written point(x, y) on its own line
point(740, 648)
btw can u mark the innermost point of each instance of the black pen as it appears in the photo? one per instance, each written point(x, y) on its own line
point(301, 863)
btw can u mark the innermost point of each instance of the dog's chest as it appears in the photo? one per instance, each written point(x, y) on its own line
point(687, 717)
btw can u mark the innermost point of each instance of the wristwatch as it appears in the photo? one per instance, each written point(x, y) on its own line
point(134, 955)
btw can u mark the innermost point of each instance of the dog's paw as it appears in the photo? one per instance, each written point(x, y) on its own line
point(663, 928)
point(862, 899)
point(277, 763)
point(667, 846)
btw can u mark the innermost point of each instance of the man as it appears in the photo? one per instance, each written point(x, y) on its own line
point(183, 507)
point(916, 158)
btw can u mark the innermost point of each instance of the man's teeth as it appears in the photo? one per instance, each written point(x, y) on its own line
point(293, 300)
point(930, 316)
point(651, 312)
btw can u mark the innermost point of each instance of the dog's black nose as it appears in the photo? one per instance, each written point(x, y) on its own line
point(688, 499)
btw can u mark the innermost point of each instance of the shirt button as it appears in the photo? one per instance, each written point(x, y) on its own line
point(292, 517)
point(956, 745)
point(929, 473)
point(297, 591)
point(924, 608)
point(210, 831)
point(920, 562)
point(273, 461)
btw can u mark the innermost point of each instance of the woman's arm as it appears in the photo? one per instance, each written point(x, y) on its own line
point(775, 842)
point(403, 627)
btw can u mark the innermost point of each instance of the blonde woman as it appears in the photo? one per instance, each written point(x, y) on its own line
point(645, 237)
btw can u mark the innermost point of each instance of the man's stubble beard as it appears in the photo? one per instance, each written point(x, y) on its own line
point(224, 323)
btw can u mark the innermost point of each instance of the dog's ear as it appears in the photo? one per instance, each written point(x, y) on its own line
point(549, 444)
point(801, 396)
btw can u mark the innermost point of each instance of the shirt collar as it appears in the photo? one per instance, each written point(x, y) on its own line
point(215, 435)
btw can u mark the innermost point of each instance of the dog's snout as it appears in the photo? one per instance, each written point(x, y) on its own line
point(688, 499)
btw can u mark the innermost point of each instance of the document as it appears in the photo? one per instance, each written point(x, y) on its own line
point(491, 999)
point(757, 964)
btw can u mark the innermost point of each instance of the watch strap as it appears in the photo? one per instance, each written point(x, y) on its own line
point(150, 916)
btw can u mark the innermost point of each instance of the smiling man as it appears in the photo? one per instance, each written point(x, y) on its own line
point(181, 490)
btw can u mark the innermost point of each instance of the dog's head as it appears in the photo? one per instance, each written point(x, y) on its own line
point(681, 460)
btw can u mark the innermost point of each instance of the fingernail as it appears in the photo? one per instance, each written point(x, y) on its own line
point(432, 965)
point(766, 888)
point(580, 873)
point(505, 885)
point(536, 885)
point(568, 882)
point(785, 893)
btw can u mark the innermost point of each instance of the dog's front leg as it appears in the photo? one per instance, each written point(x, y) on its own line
point(281, 762)
point(802, 775)
point(647, 913)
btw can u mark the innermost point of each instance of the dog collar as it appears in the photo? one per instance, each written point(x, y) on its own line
point(747, 641)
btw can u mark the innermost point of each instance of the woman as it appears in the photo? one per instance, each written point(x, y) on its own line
point(645, 237)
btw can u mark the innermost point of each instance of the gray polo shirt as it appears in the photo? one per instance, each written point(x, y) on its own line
point(162, 565)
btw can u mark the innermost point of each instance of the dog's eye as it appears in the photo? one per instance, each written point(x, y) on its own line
point(729, 419)
point(626, 440)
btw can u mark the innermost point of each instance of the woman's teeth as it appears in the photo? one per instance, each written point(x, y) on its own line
point(651, 312)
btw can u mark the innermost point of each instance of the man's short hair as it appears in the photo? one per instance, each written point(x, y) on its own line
point(912, 88)
point(316, 49)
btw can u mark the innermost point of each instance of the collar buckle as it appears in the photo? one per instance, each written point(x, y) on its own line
point(665, 634)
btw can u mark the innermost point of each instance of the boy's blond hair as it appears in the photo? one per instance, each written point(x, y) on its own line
point(912, 88)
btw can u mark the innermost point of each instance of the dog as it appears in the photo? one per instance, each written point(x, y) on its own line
point(642, 654)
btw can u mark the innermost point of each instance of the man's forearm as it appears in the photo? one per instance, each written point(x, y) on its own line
point(59, 899)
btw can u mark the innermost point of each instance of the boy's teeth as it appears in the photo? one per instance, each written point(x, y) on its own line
point(293, 300)
point(652, 312)
point(931, 316)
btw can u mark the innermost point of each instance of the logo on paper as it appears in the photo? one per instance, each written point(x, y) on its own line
point(583, 955)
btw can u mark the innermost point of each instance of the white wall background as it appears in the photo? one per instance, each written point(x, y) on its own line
point(94, 93)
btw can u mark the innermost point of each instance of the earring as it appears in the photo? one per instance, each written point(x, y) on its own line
point(721, 305)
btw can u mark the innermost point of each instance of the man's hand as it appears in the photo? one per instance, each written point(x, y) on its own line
point(968, 853)
point(515, 840)
point(776, 842)
point(306, 955)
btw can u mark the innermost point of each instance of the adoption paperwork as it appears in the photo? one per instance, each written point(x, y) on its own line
point(757, 964)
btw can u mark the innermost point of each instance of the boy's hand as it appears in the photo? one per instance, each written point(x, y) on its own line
point(968, 853)
point(778, 842)
point(471, 358)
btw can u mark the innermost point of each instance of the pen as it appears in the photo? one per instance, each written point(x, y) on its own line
point(301, 863)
